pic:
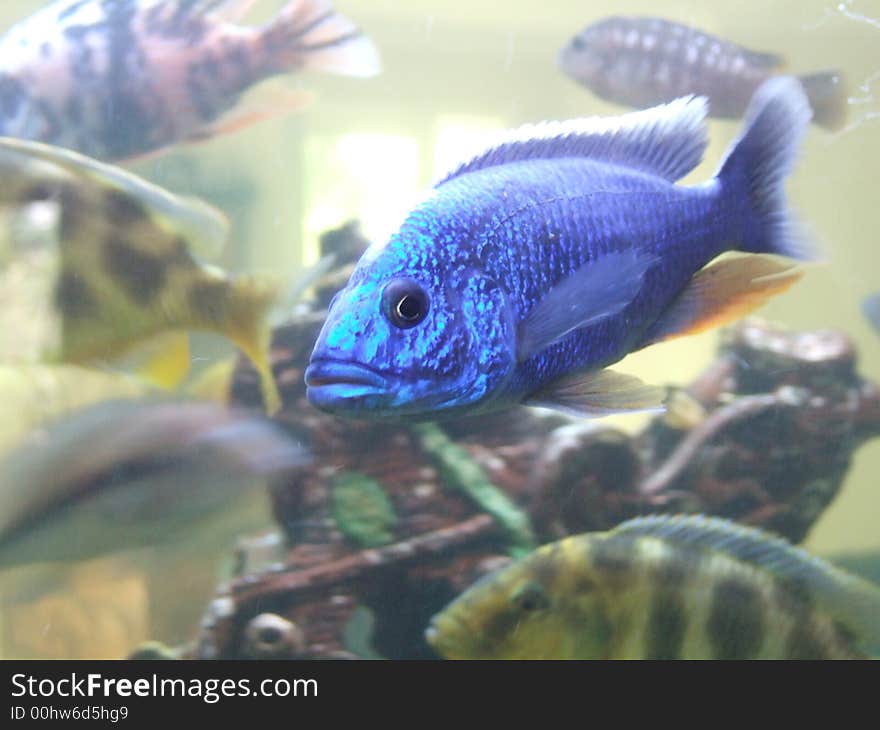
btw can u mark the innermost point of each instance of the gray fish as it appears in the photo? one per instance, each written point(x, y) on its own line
point(642, 62)
point(130, 473)
point(871, 308)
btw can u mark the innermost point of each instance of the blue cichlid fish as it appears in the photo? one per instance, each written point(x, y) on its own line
point(664, 587)
point(641, 62)
point(535, 265)
point(116, 79)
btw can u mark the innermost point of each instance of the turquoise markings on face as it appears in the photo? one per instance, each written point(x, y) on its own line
point(349, 313)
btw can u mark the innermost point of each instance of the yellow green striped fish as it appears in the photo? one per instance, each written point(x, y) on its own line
point(663, 587)
point(127, 272)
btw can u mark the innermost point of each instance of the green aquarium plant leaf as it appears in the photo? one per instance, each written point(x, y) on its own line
point(461, 472)
point(362, 510)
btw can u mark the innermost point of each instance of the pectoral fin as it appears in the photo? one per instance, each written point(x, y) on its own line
point(269, 100)
point(598, 289)
point(599, 393)
point(722, 292)
point(168, 361)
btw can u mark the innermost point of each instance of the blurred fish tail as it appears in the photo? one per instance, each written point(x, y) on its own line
point(251, 301)
point(871, 308)
point(758, 163)
point(311, 34)
point(827, 93)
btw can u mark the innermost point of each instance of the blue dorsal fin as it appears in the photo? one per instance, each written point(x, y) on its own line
point(667, 140)
point(850, 599)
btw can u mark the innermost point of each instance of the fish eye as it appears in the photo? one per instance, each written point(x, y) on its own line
point(530, 597)
point(578, 43)
point(405, 303)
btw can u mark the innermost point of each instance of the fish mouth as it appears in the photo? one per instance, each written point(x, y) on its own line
point(330, 381)
point(448, 636)
point(437, 638)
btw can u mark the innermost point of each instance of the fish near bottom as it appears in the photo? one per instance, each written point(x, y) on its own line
point(661, 587)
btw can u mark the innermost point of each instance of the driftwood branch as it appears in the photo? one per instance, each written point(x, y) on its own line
point(296, 584)
point(710, 429)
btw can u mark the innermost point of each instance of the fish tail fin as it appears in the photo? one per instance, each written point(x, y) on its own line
point(827, 93)
point(758, 163)
point(311, 34)
point(250, 303)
